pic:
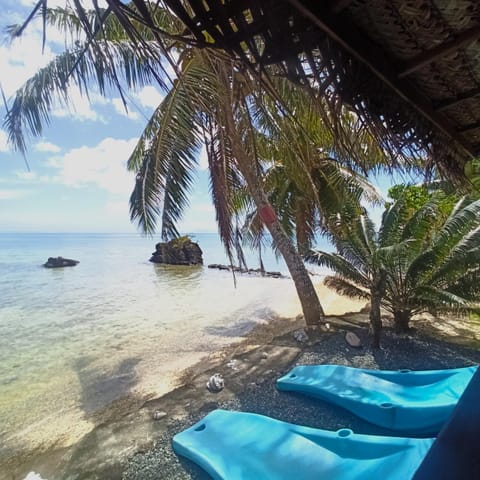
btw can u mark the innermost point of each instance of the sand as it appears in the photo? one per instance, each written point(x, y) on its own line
point(127, 443)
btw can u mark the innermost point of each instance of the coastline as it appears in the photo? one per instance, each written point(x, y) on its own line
point(126, 443)
point(55, 452)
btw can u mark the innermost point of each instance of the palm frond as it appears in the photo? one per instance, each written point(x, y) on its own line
point(344, 287)
point(462, 257)
point(393, 219)
point(146, 198)
point(219, 154)
point(338, 264)
point(173, 135)
point(443, 300)
point(33, 103)
point(464, 217)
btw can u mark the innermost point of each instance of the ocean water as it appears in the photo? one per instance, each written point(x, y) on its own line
point(74, 340)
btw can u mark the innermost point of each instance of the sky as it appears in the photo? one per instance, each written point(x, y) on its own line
point(74, 177)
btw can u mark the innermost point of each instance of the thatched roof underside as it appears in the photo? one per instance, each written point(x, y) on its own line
point(409, 68)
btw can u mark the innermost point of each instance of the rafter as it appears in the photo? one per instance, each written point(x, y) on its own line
point(441, 50)
point(336, 6)
point(349, 38)
point(451, 102)
point(469, 127)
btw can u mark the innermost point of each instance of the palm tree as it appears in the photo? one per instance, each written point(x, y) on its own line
point(213, 101)
point(329, 180)
point(208, 102)
point(426, 261)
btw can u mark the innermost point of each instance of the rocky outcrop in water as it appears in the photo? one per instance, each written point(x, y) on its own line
point(180, 251)
point(59, 262)
point(257, 271)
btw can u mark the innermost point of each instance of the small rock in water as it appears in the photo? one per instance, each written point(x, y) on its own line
point(158, 414)
point(300, 335)
point(60, 262)
point(215, 383)
point(353, 340)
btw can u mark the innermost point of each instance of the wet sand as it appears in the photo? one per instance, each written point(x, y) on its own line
point(55, 457)
point(127, 443)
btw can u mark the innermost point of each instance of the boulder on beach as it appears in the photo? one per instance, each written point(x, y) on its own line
point(180, 251)
point(59, 262)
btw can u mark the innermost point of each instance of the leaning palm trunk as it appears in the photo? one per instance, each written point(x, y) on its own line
point(311, 307)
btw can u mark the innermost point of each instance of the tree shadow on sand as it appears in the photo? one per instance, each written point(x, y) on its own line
point(99, 387)
point(245, 320)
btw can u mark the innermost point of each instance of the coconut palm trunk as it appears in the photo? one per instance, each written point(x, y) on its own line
point(311, 307)
point(376, 295)
point(401, 320)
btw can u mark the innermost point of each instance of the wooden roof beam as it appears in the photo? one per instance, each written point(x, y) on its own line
point(451, 102)
point(352, 40)
point(439, 51)
point(469, 127)
point(336, 6)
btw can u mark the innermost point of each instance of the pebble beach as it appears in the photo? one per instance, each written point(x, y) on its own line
point(135, 444)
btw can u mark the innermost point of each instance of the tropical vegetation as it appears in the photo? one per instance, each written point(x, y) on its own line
point(213, 101)
point(425, 259)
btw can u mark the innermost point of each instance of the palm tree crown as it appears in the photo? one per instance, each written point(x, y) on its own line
point(429, 258)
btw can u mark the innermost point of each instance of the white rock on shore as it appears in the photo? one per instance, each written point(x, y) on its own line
point(34, 476)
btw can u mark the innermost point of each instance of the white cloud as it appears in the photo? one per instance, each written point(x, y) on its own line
point(120, 109)
point(21, 59)
point(103, 165)
point(3, 142)
point(30, 177)
point(80, 106)
point(200, 217)
point(26, 175)
point(13, 194)
point(47, 147)
point(149, 97)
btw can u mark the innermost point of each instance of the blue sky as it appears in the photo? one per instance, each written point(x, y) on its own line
point(77, 180)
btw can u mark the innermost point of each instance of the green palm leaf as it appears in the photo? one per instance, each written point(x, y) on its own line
point(340, 265)
point(344, 287)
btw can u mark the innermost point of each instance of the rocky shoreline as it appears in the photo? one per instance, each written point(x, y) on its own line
point(418, 352)
point(259, 395)
point(133, 441)
point(256, 271)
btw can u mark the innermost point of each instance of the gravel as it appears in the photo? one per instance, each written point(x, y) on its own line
point(415, 352)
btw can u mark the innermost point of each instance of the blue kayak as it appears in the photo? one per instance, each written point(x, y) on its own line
point(413, 402)
point(245, 446)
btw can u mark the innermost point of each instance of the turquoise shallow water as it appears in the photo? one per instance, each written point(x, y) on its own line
point(74, 340)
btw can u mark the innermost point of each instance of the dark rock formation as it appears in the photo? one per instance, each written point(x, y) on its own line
point(258, 271)
point(180, 251)
point(59, 262)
